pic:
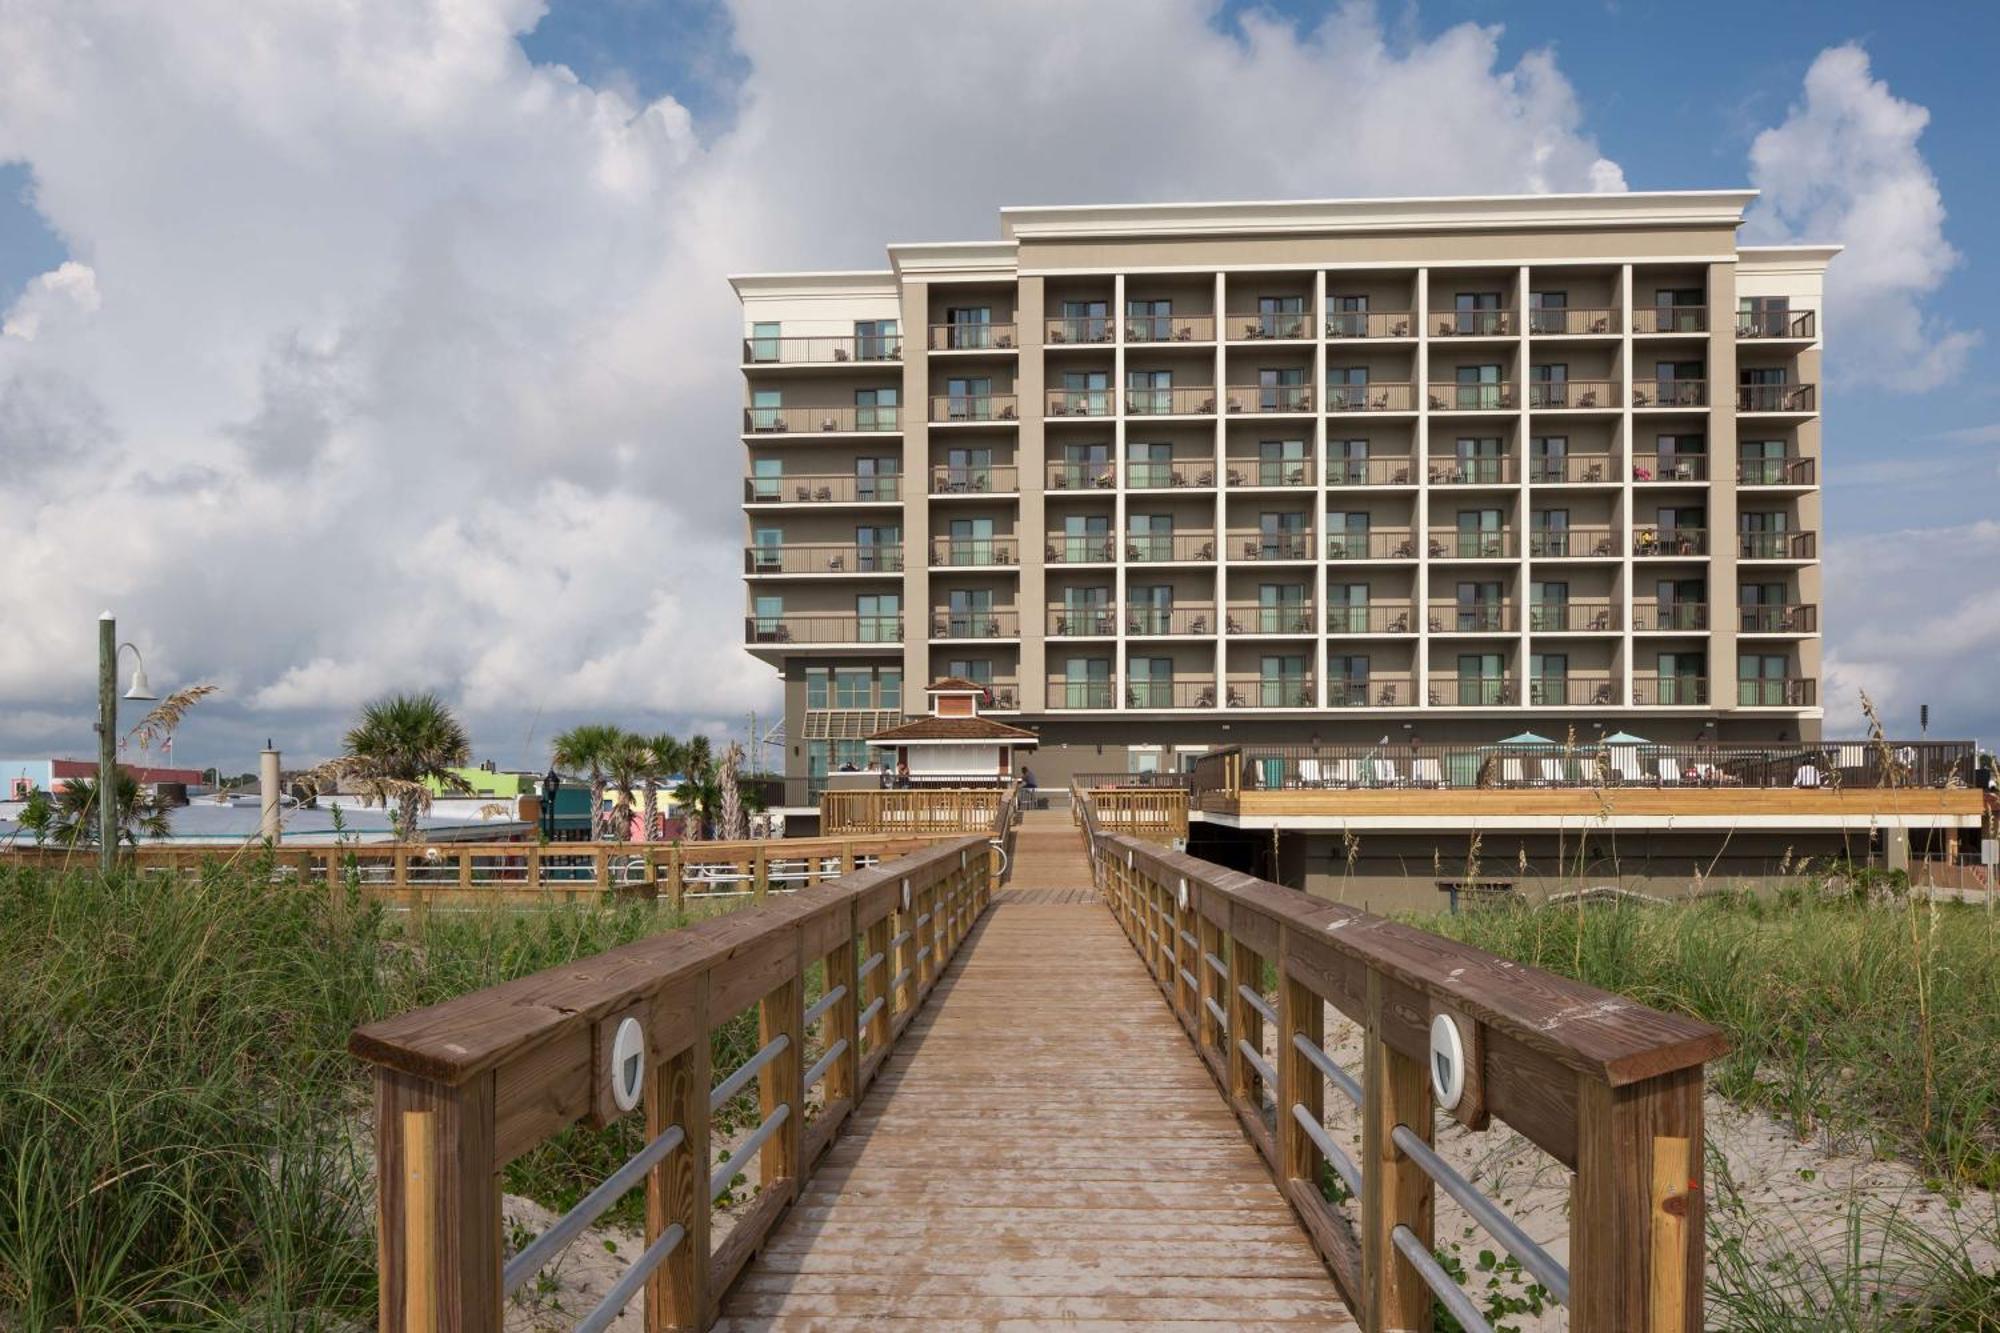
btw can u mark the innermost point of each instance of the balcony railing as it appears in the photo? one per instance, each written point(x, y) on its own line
point(1197, 400)
point(1670, 319)
point(1453, 544)
point(1169, 328)
point(1258, 618)
point(830, 558)
point(1374, 396)
point(1275, 691)
point(1101, 550)
point(1474, 324)
point(1370, 692)
point(822, 349)
point(1078, 402)
point(1447, 471)
point(1670, 543)
point(1572, 691)
point(1368, 472)
point(1550, 395)
point(1102, 476)
point(1670, 691)
point(1263, 399)
point(1451, 396)
point(1566, 321)
point(1154, 622)
point(950, 408)
point(1371, 324)
point(1671, 469)
point(1571, 543)
point(1152, 548)
point(1790, 692)
point(824, 488)
point(1248, 545)
point(1254, 326)
point(972, 337)
point(1777, 398)
point(961, 552)
point(1580, 616)
point(1670, 393)
point(1064, 693)
point(1472, 618)
point(997, 623)
point(1571, 469)
point(1777, 472)
point(1374, 618)
point(1670, 617)
point(1801, 618)
point(1269, 471)
point(822, 627)
point(1170, 694)
point(1174, 474)
point(1068, 329)
point(1777, 324)
point(1082, 622)
point(1376, 544)
point(1454, 691)
point(996, 479)
point(820, 420)
point(1777, 546)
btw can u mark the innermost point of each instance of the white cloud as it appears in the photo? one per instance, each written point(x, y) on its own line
point(387, 358)
point(1845, 166)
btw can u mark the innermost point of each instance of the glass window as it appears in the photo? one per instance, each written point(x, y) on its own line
point(816, 687)
point(764, 342)
point(969, 398)
point(769, 614)
point(876, 340)
point(889, 687)
point(875, 409)
point(879, 617)
point(968, 327)
point(1346, 316)
point(853, 688)
point(1548, 312)
point(1548, 460)
point(766, 410)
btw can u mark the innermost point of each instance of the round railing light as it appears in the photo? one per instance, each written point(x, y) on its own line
point(628, 1064)
point(1447, 1062)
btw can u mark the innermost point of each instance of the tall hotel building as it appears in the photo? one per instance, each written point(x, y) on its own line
point(1170, 477)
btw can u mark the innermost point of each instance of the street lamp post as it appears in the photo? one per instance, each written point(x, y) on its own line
point(551, 784)
point(108, 649)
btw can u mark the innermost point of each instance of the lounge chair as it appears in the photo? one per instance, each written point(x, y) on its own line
point(1625, 765)
point(1670, 773)
point(1346, 773)
point(1384, 773)
point(1309, 775)
point(1426, 773)
point(1511, 774)
point(1554, 773)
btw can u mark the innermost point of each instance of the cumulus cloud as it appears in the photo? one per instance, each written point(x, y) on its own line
point(387, 358)
point(1845, 166)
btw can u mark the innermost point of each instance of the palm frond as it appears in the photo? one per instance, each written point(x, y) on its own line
point(166, 715)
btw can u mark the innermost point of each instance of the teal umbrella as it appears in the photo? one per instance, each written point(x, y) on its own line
point(1625, 738)
point(1527, 738)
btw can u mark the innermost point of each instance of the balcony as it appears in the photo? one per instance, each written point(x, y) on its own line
point(1778, 325)
point(1472, 618)
point(1082, 622)
point(1801, 472)
point(1256, 618)
point(1269, 473)
point(972, 337)
point(1170, 329)
point(1101, 550)
point(1166, 622)
point(1453, 544)
point(1670, 691)
point(1563, 322)
point(1158, 548)
point(1670, 543)
point(1572, 691)
point(1074, 330)
point(1777, 546)
point(1671, 395)
point(1572, 544)
point(972, 552)
point(974, 409)
point(1350, 324)
point(1077, 403)
point(1446, 471)
point(1377, 544)
point(1778, 399)
point(1572, 470)
point(1279, 326)
point(833, 488)
point(1789, 692)
point(1065, 694)
point(1375, 396)
point(1475, 324)
point(1572, 395)
point(1270, 399)
point(1455, 691)
point(1003, 479)
point(1581, 616)
point(811, 558)
point(821, 420)
point(1264, 547)
point(1670, 617)
point(1172, 475)
point(1261, 691)
point(1100, 476)
point(1374, 618)
point(822, 350)
point(997, 623)
point(1196, 400)
point(1802, 618)
point(823, 628)
point(1672, 469)
point(1670, 319)
point(1161, 694)
point(1362, 692)
point(1368, 472)
point(1489, 396)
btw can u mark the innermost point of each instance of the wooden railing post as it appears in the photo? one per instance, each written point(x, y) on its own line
point(782, 1013)
point(1636, 1208)
point(878, 985)
point(843, 1078)
point(902, 957)
point(677, 1189)
point(760, 874)
point(1396, 1090)
point(1246, 968)
point(676, 887)
point(533, 871)
point(1300, 1014)
point(1214, 1041)
point(437, 1205)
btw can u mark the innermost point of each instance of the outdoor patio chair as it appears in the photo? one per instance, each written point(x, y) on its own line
point(1554, 773)
point(1426, 773)
point(1670, 773)
point(1385, 773)
point(1347, 772)
point(1511, 773)
point(1625, 765)
point(1309, 775)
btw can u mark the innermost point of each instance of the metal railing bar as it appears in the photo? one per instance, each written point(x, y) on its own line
point(824, 1003)
point(868, 1014)
point(746, 1071)
point(1349, 1086)
point(1193, 982)
point(1221, 967)
point(901, 977)
point(1447, 1291)
point(1258, 1062)
point(922, 919)
point(824, 1063)
point(898, 941)
point(718, 1180)
point(1189, 938)
point(874, 961)
point(1342, 1164)
point(1257, 1002)
point(626, 1288)
point(1538, 1261)
point(1221, 1019)
point(537, 1253)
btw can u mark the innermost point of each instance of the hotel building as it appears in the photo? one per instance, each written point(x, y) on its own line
point(1172, 477)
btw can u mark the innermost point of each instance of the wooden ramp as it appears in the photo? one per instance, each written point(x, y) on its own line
point(1042, 1147)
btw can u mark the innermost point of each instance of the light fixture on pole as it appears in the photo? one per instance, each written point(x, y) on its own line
point(108, 650)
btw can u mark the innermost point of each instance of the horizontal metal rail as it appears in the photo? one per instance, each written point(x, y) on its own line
point(1193, 982)
point(1342, 1164)
point(902, 977)
point(1257, 1002)
point(1340, 1078)
point(868, 1014)
point(1189, 938)
point(537, 1253)
point(824, 1003)
point(874, 961)
point(1539, 1262)
point(824, 1063)
point(1448, 1292)
point(626, 1289)
point(899, 940)
point(1221, 1019)
point(718, 1180)
point(1258, 1062)
point(923, 953)
point(922, 919)
point(1221, 968)
point(746, 1071)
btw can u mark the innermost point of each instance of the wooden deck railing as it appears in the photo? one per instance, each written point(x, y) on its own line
point(1609, 1088)
point(1157, 814)
point(912, 810)
point(464, 1087)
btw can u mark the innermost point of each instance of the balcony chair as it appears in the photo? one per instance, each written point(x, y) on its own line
point(1235, 697)
point(1553, 774)
point(1253, 329)
point(1602, 621)
point(805, 493)
point(1251, 550)
point(836, 562)
point(1199, 625)
point(1426, 773)
point(1436, 698)
point(1386, 696)
point(1233, 625)
point(1205, 478)
point(1205, 699)
point(1604, 694)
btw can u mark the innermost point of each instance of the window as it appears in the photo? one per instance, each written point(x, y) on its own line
point(1149, 465)
point(1087, 682)
point(764, 342)
point(1281, 463)
point(1548, 678)
point(766, 410)
point(1678, 309)
point(1283, 390)
point(1681, 457)
point(1548, 606)
point(1680, 383)
point(1149, 321)
point(1083, 322)
point(1149, 392)
point(1548, 385)
point(1549, 534)
point(1282, 681)
point(1477, 313)
point(878, 548)
point(1479, 533)
point(1346, 316)
point(1142, 760)
point(889, 687)
point(1478, 389)
point(1281, 316)
point(1479, 461)
point(1548, 460)
point(875, 409)
point(879, 617)
point(767, 479)
point(1479, 609)
point(1085, 610)
point(1681, 677)
point(1760, 680)
point(968, 399)
point(979, 670)
point(1284, 608)
point(1149, 536)
point(1347, 609)
point(969, 541)
point(1682, 604)
point(853, 687)
point(1481, 680)
point(1084, 466)
point(1763, 389)
point(875, 479)
point(968, 327)
point(767, 549)
point(1548, 312)
point(876, 340)
point(971, 614)
point(1764, 608)
point(1761, 463)
point(817, 687)
point(1149, 682)
point(1281, 536)
point(1763, 534)
point(1346, 534)
point(1346, 388)
point(1347, 463)
point(1149, 608)
point(1764, 316)
point(769, 614)
point(1086, 537)
point(968, 470)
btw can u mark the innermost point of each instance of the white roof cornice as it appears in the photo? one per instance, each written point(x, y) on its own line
point(832, 282)
point(949, 259)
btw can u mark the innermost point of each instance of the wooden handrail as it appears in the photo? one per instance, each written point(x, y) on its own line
point(911, 810)
point(1158, 814)
point(1610, 1088)
point(466, 1086)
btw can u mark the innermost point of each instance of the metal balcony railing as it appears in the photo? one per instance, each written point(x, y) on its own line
point(1670, 393)
point(820, 420)
point(822, 628)
point(1072, 329)
point(822, 558)
point(972, 337)
point(1670, 319)
point(1371, 324)
point(822, 488)
point(822, 349)
point(992, 479)
point(1802, 618)
point(1670, 617)
point(960, 552)
point(1579, 616)
point(1257, 618)
point(1777, 398)
point(1567, 322)
point(948, 409)
point(1169, 328)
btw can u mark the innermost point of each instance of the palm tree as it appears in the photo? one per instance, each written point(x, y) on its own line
point(668, 757)
point(698, 795)
point(626, 763)
point(403, 745)
point(584, 750)
point(72, 814)
point(735, 827)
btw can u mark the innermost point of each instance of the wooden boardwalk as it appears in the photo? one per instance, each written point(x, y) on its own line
point(1042, 1147)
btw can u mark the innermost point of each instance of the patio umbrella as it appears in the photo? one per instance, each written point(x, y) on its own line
point(1625, 738)
point(1526, 738)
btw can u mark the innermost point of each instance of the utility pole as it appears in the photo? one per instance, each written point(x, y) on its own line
point(107, 742)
